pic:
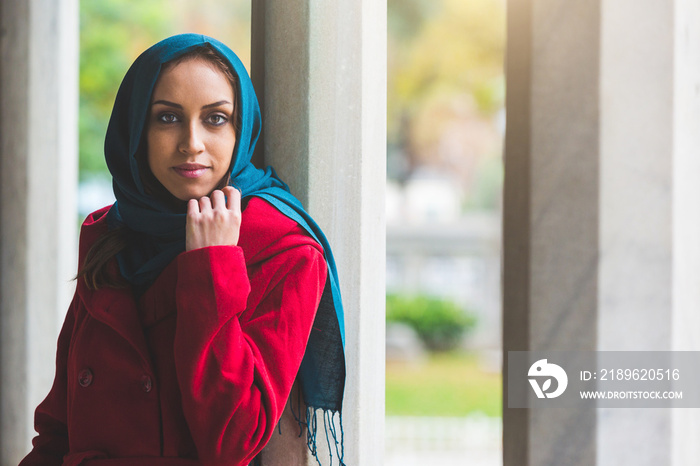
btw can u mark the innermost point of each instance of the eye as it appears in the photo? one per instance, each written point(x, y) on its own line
point(167, 118)
point(217, 119)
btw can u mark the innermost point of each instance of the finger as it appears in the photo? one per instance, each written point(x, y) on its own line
point(192, 207)
point(204, 204)
point(233, 198)
point(218, 201)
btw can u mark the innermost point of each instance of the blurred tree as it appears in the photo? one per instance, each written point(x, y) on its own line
point(112, 34)
point(227, 21)
point(446, 46)
point(439, 322)
point(405, 17)
point(445, 71)
point(460, 49)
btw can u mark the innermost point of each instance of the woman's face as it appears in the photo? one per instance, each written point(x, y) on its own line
point(190, 135)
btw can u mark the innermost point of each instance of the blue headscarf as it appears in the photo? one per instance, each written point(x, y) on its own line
point(160, 230)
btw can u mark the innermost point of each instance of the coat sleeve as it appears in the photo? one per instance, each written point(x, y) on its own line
point(50, 446)
point(240, 341)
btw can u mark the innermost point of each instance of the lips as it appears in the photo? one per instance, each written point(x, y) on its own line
point(190, 170)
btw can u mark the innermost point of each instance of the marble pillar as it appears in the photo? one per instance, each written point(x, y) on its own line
point(601, 222)
point(320, 70)
point(38, 219)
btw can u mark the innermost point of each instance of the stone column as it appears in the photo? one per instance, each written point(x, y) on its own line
point(320, 68)
point(686, 222)
point(38, 177)
point(601, 220)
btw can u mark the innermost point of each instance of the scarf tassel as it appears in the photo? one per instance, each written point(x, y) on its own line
point(329, 426)
point(332, 423)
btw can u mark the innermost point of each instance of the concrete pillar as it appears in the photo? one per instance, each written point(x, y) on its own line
point(601, 223)
point(320, 68)
point(686, 223)
point(38, 177)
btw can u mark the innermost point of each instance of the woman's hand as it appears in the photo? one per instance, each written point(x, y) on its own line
point(214, 220)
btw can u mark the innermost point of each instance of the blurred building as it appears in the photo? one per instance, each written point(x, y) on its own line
point(434, 248)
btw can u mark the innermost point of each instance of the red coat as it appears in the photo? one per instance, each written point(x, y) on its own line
point(199, 367)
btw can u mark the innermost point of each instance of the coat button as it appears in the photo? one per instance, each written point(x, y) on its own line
point(85, 377)
point(146, 383)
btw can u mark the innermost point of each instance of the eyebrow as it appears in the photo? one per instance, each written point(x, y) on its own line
point(174, 105)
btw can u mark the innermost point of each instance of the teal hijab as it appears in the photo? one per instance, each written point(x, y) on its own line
point(158, 231)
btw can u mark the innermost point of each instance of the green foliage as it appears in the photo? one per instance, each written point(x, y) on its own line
point(440, 323)
point(112, 33)
point(405, 17)
point(446, 86)
point(444, 47)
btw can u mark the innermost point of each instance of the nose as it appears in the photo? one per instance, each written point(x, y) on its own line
point(191, 140)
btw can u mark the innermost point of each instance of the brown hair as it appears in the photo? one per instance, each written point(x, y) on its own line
point(95, 270)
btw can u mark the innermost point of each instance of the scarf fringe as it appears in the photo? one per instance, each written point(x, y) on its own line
point(329, 426)
point(332, 423)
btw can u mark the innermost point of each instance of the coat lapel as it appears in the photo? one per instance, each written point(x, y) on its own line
point(117, 309)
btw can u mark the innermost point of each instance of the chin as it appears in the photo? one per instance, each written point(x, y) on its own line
point(192, 189)
point(187, 194)
point(187, 197)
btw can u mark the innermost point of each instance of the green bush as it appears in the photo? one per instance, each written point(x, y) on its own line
point(440, 323)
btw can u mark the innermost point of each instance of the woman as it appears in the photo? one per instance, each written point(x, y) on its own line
point(198, 289)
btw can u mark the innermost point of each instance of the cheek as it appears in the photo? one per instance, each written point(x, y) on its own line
point(224, 151)
point(155, 153)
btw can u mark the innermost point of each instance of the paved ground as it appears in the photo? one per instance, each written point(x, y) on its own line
point(471, 441)
point(474, 458)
